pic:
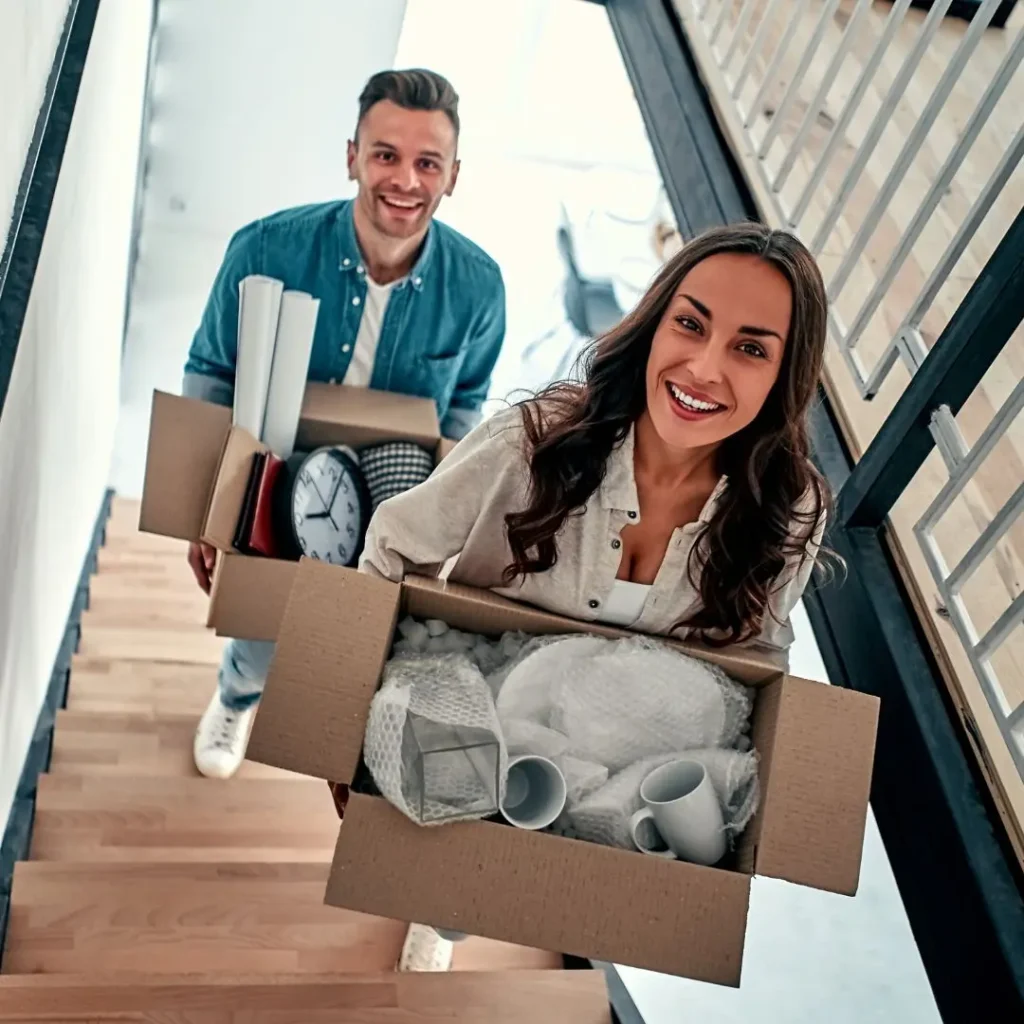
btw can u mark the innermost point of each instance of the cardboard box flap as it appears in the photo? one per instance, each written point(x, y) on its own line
point(337, 625)
point(186, 439)
point(536, 889)
point(228, 492)
point(815, 784)
point(484, 612)
point(336, 414)
point(250, 594)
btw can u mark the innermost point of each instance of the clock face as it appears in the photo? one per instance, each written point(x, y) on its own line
point(329, 507)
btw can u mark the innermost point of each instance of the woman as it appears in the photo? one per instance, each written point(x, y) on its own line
point(670, 490)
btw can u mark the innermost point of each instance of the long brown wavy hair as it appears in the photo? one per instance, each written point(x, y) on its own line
point(572, 428)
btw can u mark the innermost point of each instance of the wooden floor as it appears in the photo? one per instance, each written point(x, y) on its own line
point(1000, 577)
point(155, 894)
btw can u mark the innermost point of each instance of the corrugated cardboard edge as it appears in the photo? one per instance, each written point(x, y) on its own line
point(306, 721)
point(816, 783)
point(495, 614)
point(228, 492)
point(368, 416)
point(183, 452)
point(507, 880)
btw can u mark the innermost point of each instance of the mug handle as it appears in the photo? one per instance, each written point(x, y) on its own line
point(645, 814)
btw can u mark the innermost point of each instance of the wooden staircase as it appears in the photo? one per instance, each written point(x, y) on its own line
point(153, 894)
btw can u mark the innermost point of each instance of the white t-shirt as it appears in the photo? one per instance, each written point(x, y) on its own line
point(360, 369)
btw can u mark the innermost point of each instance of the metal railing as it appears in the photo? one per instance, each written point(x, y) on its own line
point(778, 85)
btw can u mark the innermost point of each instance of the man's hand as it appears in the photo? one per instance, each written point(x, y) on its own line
point(201, 559)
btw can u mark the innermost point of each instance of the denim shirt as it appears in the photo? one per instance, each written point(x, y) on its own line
point(442, 330)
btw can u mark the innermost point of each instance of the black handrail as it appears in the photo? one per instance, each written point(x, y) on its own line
point(39, 177)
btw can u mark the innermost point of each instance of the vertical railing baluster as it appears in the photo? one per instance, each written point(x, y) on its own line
point(776, 62)
point(915, 140)
point(821, 95)
point(723, 16)
point(775, 126)
point(755, 47)
point(881, 119)
point(938, 187)
point(742, 25)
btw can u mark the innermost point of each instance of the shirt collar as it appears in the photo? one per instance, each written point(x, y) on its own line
point(618, 488)
point(350, 258)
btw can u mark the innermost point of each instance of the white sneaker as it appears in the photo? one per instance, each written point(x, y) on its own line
point(221, 737)
point(425, 950)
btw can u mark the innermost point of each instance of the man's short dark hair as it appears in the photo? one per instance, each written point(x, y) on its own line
point(413, 89)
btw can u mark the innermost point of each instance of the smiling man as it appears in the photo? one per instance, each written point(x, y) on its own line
point(406, 304)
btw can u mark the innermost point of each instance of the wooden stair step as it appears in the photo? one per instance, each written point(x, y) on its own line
point(128, 687)
point(540, 997)
point(184, 645)
point(130, 556)
point(124, 818)
point(188, 917)
point(91, 742)
point(143, 586)
point(145, 617)
point(121, 610)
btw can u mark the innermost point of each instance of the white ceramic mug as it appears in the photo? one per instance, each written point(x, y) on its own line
point(534, 792)
point(683, 806)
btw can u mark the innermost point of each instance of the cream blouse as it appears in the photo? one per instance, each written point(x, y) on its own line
point(460, 511)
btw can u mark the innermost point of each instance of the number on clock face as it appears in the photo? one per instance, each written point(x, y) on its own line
point(326, 521)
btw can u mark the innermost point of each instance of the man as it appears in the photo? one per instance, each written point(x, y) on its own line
point(406, 304)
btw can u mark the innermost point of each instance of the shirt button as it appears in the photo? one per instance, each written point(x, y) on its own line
point(632, 515)
point(417, 281)
point(346, 348)
point(346, 262)
point(594, 603)
point(355, 301)
point(616, 544)
point(360, 270)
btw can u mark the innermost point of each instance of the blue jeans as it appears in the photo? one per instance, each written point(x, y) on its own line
point(243, 672)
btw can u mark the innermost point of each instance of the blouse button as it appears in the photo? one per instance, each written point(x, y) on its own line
point(594, 603)
point(616, 544)
point(632, 515)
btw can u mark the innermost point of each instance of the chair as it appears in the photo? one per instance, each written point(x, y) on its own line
point(590, 306)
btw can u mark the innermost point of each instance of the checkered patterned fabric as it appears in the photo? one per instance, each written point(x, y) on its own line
point(393, 467)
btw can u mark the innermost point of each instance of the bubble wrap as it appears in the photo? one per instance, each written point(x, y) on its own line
point(606, 711)
point(602, 816)
point(433, 743)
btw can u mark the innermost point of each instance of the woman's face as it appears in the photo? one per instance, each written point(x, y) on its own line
point(718, 350)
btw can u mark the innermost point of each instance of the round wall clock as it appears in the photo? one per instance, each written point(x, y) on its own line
point(321, 505)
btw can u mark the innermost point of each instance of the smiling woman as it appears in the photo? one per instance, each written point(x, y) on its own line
point(679, 465)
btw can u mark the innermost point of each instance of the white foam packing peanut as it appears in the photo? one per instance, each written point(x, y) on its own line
point(606, 712)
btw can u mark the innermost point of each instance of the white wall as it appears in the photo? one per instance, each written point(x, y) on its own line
point(28, 40)
point(254, 101)
point(57, 427)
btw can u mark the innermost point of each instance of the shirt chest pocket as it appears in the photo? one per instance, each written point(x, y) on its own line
point(438, 376)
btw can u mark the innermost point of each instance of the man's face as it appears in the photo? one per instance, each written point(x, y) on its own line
point(404, 161)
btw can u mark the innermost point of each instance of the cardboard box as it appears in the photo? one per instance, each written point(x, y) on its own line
point(816, 745)
point(197, 465)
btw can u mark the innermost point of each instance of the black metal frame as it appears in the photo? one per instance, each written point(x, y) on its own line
point(978, 332)
point(38, 183)
point(958, 878)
